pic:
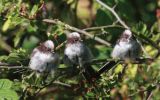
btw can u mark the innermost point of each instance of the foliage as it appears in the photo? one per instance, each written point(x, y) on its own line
point(5, 90)
point(22, 29)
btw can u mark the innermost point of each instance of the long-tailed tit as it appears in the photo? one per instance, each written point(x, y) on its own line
point(43, 59)
point(78, 54)
point(126, 47)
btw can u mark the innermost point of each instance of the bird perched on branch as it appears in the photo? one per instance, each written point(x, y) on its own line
point(126, 47)
point(43, 59)
point(78, 54)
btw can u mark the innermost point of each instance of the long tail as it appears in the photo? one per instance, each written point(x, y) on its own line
point(107, 66)
point(90, 74)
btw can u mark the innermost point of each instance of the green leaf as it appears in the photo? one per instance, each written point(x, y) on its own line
point(3, 58)
point(140, 28)
point(118, 69)
point(17, 20)
point(90, 94)
point(101, 14)
point(5, 84)
point(18, 37)
point(6, 94)
point(17, 85)
point(5, 90)
point(132, 70)
point(34, 9)
point(6, 25)
point(19, 56)
point(32, 28)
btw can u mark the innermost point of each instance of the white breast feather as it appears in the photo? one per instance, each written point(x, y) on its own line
point(120, 50)
point(39, 61)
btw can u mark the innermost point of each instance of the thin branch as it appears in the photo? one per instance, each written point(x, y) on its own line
point(57, 22)
point(150, 96)
point(131, 95)
point(46, 85)
point(115, 6)
point(48, 90)
point(6, 64)
point(52, 89)
point(94, 61)
point(102, 27)
point(62, 84)
point(61, 45)
point(114, 13)
point(13, 67)
point(145, 90)
point(120, 21)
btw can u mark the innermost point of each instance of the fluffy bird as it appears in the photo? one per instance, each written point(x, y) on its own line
point(78, 54)
point(126, 47)
point(43, 59)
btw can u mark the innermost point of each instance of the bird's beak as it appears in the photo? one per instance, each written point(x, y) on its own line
point(80, 40)
point(52, 51)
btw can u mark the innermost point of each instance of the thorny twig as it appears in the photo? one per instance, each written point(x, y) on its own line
point(12, 66)
point(46, 85)
point(145, 90)
point(149, 96)
point(60, 45)
point(102, 27)
point(114, 13)
point(77, 30)
point(63, 84)
point(94, 61)
point(120, 21)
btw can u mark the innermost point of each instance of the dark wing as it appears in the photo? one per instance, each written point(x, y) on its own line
point(86, 57)
point(135, 50)
point(68, 61)
point(54, 63)
point(86, 54)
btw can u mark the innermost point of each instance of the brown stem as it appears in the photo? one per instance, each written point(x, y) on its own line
point(77, 30)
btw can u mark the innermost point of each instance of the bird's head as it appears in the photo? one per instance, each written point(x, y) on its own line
point(127, 34)
point(49, 44)
point(73, 37)
point(46, 46)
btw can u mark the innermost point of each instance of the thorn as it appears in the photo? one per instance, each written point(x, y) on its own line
point(114, 23)
point(114, 6)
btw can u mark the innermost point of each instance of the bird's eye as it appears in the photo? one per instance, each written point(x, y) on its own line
point(126, 36)
point(48, 49)
point(76, 39)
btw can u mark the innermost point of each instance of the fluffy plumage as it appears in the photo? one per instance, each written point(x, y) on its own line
point(43, 59)
point(127, 47)
point(78, 54)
